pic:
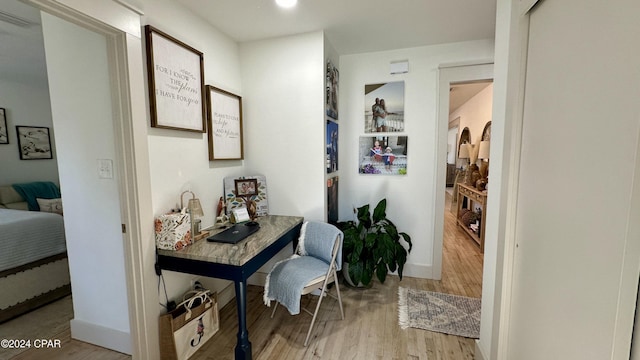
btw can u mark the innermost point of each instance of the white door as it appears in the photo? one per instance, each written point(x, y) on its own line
point(571, 296)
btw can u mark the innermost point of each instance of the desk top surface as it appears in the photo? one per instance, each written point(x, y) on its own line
point(272, 227)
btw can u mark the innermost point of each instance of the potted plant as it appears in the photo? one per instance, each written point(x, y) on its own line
point(372, 245)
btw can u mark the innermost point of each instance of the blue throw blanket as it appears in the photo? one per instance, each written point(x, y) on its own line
point(288, 278)
point(39, 189)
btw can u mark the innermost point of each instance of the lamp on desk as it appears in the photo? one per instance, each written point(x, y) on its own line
point(195, 212)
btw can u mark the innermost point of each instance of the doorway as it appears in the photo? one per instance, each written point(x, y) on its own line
point(120, 26)
point(450, 78)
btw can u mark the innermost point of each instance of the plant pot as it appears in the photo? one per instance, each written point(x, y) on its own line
point(347, 278)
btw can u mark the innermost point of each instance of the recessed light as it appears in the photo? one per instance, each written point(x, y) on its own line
point(286, 3)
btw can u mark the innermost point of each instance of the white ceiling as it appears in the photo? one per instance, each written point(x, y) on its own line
point(354, 26)
point(461, 93)
point(21, 47)
point(351, 26)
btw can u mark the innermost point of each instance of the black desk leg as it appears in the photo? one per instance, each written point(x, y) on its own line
point(243, 348)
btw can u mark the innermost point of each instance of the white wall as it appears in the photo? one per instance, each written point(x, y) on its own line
point(475, 113)
point(84, 130)
point(179, 159)
point(283, 80)
point(408, 197)
point(26, 104)
point(452, 141)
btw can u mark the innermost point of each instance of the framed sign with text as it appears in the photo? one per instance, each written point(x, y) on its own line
point(176, 83)
point(225, 125)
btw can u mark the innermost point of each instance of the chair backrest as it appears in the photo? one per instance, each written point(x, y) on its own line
point(319, 239)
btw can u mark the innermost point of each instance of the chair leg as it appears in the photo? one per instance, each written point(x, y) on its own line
point(274, 309)
point(315, 313)
point(335, 278)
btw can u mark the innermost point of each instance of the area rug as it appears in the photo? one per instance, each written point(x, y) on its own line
point(449, 314)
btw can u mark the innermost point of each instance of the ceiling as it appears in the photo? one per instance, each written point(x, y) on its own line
point(21, 43)
point(461, 93)
point(354, 26)
point(351, 26)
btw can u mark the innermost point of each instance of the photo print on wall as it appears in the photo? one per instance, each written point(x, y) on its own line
point(4, 134)
point(384, 107)
point(383, 155)
point(332, 146)
point(332, 200)
point(331, 91)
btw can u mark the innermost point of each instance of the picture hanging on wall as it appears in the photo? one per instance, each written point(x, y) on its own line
point(332, 200)
point(332, 146)
point(384, 107)
point(331, 101)
point(176, 83)
point(4, 134)
point(383, 155)
point(225, 125)
point(34, 142)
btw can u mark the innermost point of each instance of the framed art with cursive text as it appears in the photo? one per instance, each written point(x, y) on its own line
point(176, 83)
point(225, 125)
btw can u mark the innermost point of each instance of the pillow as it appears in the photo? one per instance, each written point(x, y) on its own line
point(50, 205)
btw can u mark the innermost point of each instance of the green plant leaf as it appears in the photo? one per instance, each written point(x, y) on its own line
point(367, 272)
point(379, 211)
point(407, 239)
point(363, 216)
point(356, 270)
point(381, 272)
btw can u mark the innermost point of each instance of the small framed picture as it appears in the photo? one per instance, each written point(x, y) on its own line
point(34, 142)
point(246, 187)
point(4, 134)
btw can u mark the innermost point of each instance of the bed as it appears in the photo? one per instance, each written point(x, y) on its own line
point(33, 258)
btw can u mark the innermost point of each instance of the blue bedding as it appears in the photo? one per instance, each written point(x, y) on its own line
point(38, 189)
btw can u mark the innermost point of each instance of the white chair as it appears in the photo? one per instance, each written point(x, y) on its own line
point(314, 265)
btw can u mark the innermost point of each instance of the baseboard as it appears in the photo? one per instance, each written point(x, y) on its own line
point(226, 295)
point(411, 270)
point(418, 271)
point(479, 355)
point(258, 278)
point(102, 336)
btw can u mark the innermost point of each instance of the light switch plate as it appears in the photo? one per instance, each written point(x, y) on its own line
point(105, 168)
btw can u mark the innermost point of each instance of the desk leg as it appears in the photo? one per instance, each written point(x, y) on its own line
point(243, 348)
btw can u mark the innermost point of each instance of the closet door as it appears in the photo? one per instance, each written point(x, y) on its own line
point(571, 296)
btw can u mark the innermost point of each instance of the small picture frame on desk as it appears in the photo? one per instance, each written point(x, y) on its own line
point(246, 187)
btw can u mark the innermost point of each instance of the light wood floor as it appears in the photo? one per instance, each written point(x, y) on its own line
point(370, 329)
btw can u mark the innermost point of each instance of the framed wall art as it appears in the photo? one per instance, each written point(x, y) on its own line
point(332, 200)
point(176, 83)
point(331, 96)
point(34, 142)
point(384, 107)
point(386, 155)
point(224, 120)
point(4, 133)
point(332, 146)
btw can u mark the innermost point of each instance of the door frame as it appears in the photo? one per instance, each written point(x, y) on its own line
point(448, 75)
point(120, 24)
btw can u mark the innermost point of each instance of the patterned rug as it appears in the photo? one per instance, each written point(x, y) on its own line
point(449, 314)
